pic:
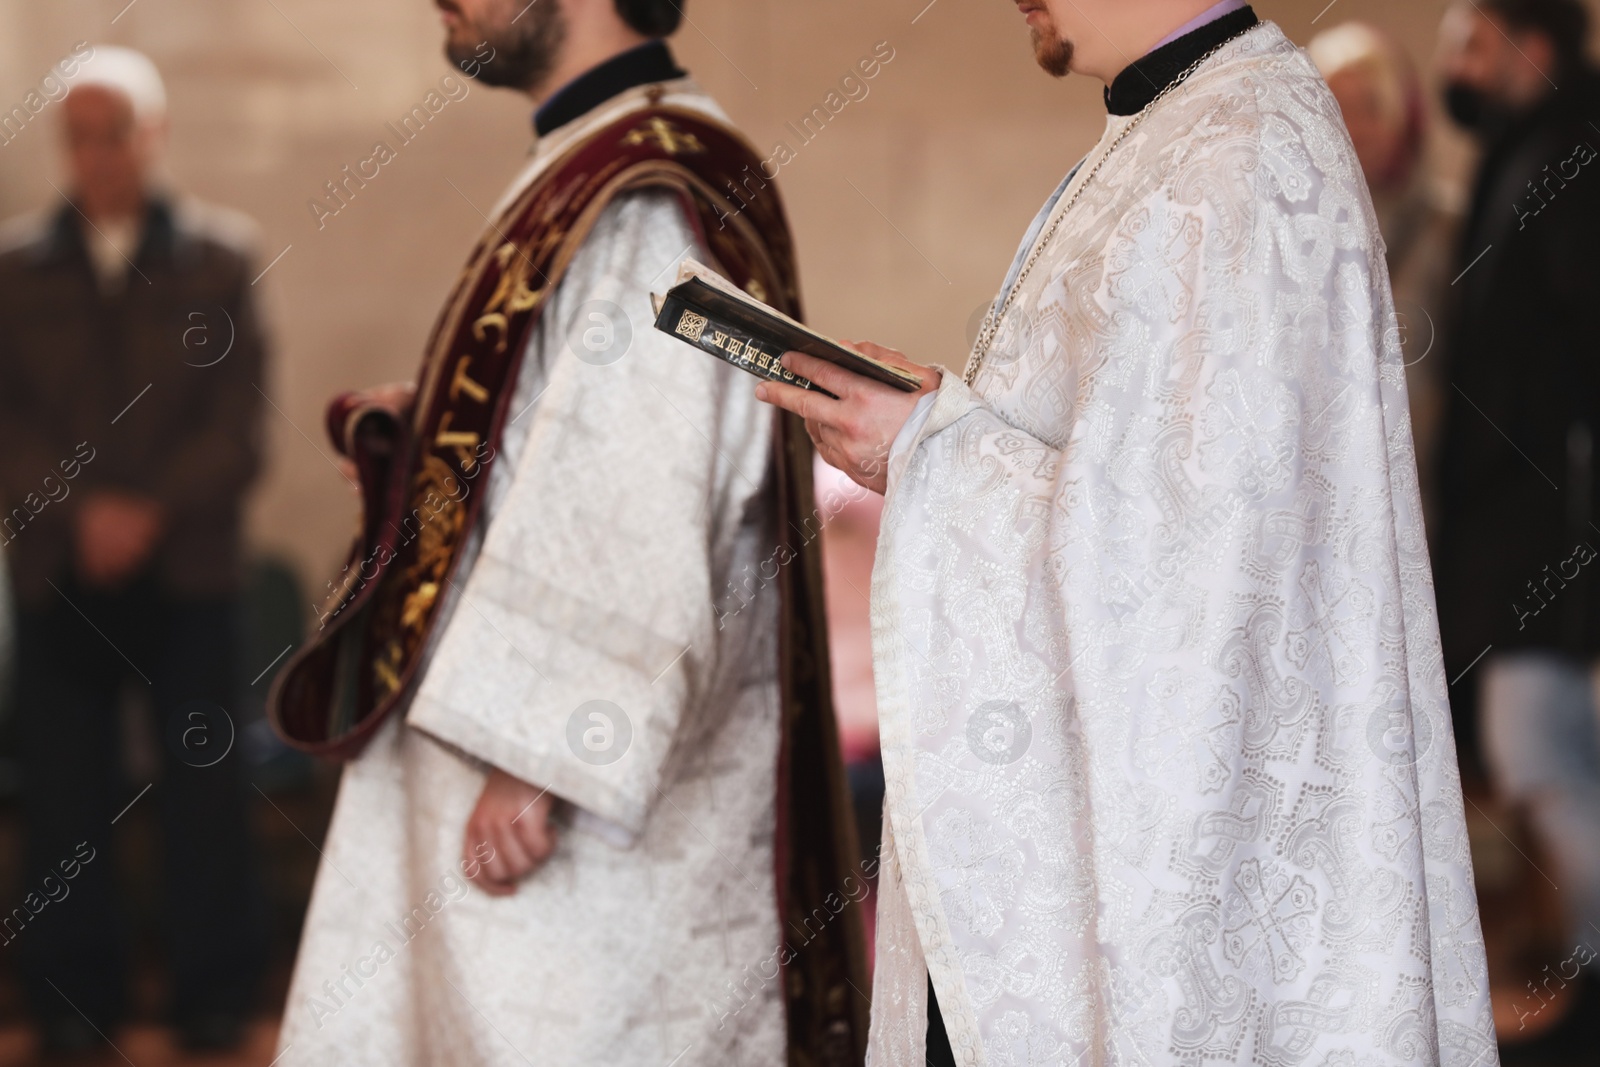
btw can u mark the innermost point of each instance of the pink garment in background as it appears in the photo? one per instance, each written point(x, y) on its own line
point(850, 517)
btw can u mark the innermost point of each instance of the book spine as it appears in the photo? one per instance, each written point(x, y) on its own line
point(705, 331)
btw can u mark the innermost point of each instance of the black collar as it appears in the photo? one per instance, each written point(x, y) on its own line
point(1142, 81)
point(649, 62)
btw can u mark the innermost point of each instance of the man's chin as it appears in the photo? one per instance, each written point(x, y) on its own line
point(1053, 54)
point(466, 56)
point(457, 48)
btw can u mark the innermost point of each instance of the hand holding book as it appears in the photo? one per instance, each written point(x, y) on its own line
point(706, 310)
point(852, 420)
point(854, 396)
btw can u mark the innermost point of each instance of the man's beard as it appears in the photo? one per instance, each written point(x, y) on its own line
point(524, 45)
point(1052, 52)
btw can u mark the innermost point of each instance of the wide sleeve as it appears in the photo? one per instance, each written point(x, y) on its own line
point(1160, 677)
point(586, 627)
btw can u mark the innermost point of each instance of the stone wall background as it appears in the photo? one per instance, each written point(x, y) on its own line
point(907, 207)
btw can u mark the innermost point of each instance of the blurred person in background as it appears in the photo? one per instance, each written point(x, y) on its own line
point(129, 433)
point(1381, 96)
point(1515, 552)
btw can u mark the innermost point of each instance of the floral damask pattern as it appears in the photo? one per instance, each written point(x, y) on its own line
point(1170, 772)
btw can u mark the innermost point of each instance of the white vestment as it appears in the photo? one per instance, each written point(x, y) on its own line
point(625, 496)
point(1169, 761)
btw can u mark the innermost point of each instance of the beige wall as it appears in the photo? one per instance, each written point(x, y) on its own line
point(907, 207)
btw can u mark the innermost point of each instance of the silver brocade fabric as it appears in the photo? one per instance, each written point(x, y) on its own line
point(1170, 771)
point(623, 504)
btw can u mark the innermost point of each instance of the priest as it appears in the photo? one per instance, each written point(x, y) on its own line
point(1170, 772)
point(595, 813)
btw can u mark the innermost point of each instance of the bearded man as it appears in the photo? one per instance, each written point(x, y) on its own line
point(528, 651)
point(1170, 774)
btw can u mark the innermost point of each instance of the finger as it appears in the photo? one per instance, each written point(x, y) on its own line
point(883, 353)
point(820, 439)
point(832, 377)
point(472, 841)
point(479, 867)
point(538, 837)
point(497, 889)
point(496, 886)
point(517, 860)
point(471, 862)
point(509, 859)
point(826, 440)
point(808, 404)
point(474, 866)
point(895, 358)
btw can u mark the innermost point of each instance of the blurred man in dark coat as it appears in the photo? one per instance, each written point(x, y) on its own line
point(129, 428)
point(1516, 548)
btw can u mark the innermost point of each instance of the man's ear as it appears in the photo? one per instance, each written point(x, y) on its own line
point(587, 11)
point(605, 13)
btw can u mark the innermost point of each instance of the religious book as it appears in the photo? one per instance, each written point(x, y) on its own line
point(711, 313)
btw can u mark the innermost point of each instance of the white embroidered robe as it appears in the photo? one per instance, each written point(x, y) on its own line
point(1170, 771)
point(624, 498)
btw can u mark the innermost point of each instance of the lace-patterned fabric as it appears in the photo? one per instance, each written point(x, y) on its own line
point(626, 498)
point(1170, 771)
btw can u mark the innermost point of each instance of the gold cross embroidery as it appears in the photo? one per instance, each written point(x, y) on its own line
point(673, 140)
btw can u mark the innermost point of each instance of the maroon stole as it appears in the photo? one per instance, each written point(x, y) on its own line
point(422, 495)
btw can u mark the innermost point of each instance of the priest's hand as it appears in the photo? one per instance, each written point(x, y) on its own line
point(513, 817)
point(397, 396)
point(853, 433)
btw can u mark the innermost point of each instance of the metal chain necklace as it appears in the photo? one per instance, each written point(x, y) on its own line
point(991, 325)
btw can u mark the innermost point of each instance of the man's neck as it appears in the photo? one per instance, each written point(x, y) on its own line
point(1210, 14)
point(1143, 81)
point(649, 63)
point(1137, 30)
point(585, 48)
point(114, 213)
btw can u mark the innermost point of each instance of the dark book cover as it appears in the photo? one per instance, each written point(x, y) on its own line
point(709, 313)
